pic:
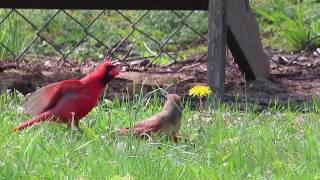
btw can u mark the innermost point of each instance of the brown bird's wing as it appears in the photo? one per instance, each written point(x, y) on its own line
point(149, 125)
point(146, 126)
point(46, 97)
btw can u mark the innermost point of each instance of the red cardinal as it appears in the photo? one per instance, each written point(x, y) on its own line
point(70, 99)
point(166, 122)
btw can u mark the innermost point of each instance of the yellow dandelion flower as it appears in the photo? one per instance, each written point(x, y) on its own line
point(200, 91)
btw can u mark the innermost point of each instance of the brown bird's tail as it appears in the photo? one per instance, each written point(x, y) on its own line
point(41, 117)
point(123, 131)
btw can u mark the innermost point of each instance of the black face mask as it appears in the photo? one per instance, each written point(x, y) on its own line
point(107, 77)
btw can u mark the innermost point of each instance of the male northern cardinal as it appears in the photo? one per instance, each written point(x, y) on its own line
point(68, 100)
point(166, 122)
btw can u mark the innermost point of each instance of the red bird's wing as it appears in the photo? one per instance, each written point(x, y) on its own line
point(46, 97)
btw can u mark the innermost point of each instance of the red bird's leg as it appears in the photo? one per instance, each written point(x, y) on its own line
point(76, 123)
point(70, 121)
point(73, 121)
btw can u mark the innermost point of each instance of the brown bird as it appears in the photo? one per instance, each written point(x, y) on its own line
point(167, 122)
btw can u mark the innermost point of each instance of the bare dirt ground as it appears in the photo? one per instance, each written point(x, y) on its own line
point(297, 81)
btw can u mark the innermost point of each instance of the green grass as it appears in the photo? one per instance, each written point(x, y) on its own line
point(226, 144)
point(291, 25)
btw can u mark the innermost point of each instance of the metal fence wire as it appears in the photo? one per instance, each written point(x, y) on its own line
point(163, 36)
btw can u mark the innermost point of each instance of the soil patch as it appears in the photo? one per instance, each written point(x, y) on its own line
point(298, 81)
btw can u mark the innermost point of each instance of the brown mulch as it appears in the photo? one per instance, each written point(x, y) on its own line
point(298, 81)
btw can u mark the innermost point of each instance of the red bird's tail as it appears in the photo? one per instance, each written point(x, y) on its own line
point(41, 117)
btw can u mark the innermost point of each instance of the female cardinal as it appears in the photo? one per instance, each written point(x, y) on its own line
point(68, 100)
point(167, 122)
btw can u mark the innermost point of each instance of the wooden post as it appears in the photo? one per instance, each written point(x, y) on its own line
point(243, 38)
point(217, 48)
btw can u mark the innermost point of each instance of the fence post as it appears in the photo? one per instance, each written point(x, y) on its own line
point(217, 48)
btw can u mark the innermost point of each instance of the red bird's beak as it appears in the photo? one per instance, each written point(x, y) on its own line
point(115, 71)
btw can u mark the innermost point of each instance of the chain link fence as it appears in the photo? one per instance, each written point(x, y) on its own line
point(67, 35)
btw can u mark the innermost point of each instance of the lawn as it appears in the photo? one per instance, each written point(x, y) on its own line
point(226, 143)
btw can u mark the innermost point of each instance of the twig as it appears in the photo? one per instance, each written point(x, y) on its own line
point(146, 46)
point(303, 51)
point(10, 66)
point(127, 54)
point(184, 62)
point(192, 66)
